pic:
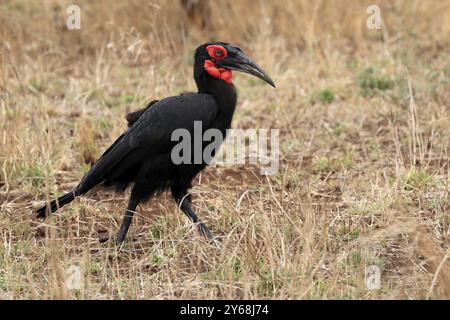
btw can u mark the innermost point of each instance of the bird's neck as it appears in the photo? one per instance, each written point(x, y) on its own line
point(224, 93)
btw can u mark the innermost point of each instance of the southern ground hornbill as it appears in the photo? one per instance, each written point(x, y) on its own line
point(141, 156)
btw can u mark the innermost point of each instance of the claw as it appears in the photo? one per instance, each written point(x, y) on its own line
point(103, 238)
point(205, 231)
point(208, 234)
point(118, 239)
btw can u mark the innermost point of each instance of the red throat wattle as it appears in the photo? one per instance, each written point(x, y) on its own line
point(220, 73)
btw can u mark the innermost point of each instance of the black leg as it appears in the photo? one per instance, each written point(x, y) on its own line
point(128, 216)
point(184, 202)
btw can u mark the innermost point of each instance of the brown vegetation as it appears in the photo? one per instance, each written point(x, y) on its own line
point(364, 119)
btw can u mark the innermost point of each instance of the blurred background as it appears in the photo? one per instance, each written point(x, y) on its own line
point(364, 140)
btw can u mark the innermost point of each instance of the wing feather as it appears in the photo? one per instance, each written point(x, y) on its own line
point(150, 135)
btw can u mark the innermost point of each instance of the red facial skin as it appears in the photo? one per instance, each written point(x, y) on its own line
point(217, 52)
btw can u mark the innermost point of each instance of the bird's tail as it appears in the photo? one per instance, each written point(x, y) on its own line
point(56, 204)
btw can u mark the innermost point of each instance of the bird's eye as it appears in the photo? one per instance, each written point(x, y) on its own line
point(216, 51)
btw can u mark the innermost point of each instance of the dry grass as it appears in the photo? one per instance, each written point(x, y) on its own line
point(364, 133)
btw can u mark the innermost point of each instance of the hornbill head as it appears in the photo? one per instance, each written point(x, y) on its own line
point(219, 58)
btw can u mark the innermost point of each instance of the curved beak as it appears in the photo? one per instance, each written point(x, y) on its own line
point(240, 62)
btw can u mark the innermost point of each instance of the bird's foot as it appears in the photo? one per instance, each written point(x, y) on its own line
point(103, 238)
point(118, 238)
point(207, 233)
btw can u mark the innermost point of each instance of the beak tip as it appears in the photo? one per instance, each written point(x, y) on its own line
point(271, 83)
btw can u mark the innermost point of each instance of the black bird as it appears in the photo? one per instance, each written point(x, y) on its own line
point(141, 156)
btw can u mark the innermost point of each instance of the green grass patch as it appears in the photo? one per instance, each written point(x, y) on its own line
point(325, 96)
point(416, 180)
point(323, 165)
point(370, 81)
